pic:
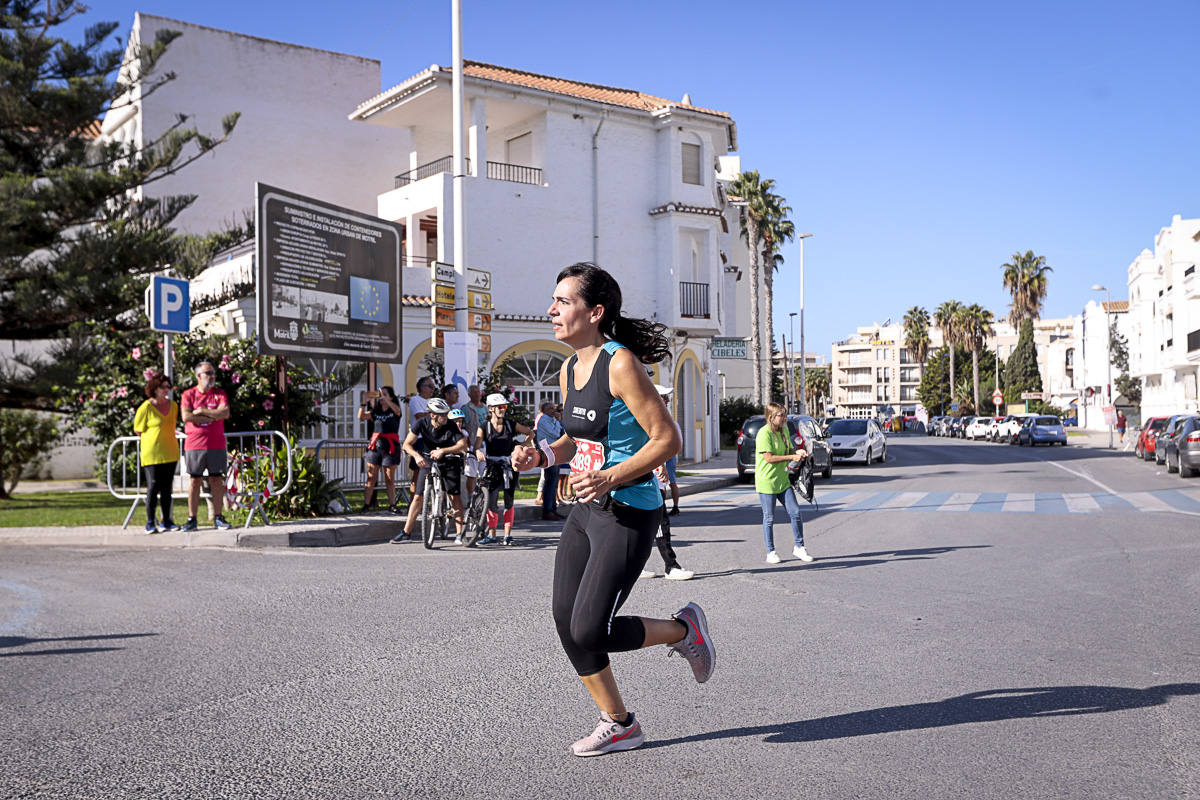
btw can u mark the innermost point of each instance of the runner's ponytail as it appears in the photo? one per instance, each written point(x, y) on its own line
point(644, 338)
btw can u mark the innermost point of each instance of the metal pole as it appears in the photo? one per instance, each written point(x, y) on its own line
point(1108, 358)
point(791, 371)
point(460, 245)
point(167, 360)
point(802, 237)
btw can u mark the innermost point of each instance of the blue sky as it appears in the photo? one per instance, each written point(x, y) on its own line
point(921, 143)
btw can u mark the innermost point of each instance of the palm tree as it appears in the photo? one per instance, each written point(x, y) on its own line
point(777, 229)
point(976, 324)
point(946, 318)
point(758, 204)
point(818, 385)
point(916, 333)
point(1025, 278)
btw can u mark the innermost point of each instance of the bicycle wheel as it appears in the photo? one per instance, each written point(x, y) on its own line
point(428, 518)
point(439, 518)
point(476, 520)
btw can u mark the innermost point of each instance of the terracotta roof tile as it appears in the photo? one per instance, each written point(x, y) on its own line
point(416, 300)
point(91, 130)
point(1115, 305)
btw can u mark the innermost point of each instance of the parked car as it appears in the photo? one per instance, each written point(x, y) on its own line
point(1070, 422)
point(931, 428)
point(1147, 438)
point(977, 428)
point(857, 439)
point(993, 428)
point(1040, 429)
point(1007, 430)
point(956, 427)
point(944, 424)
point(1183, 448)
point(1164, 435)
point(815, 443)
point(826, 422)
point(746, 441)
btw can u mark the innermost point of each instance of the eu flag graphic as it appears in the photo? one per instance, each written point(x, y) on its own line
point(368, 299)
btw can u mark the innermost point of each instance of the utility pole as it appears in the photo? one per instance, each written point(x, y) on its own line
point(802, 237)
point(460, 232)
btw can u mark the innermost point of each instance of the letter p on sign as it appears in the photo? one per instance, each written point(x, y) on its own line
point(168, 305)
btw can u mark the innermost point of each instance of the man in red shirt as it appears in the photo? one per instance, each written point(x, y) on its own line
point(205, 409)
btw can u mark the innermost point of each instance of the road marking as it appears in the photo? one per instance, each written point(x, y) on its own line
point(901, 501)
point(1180, 500)
point(989, 502)
point(1081, 503)
point(1147, 501)
point(960, 501)
point(930, 502)
point(1019, 501)
point(1049, 503)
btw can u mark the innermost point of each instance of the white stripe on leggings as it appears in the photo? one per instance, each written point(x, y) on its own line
point(613, 613)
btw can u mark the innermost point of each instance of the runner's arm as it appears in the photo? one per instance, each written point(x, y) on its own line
point(525, 457)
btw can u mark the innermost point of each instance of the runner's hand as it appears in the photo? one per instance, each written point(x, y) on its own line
point(524, 458)
point(591, 486)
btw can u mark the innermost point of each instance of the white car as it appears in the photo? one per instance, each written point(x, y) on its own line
point(857, 440)
point(977, 428)
point(1006, 431)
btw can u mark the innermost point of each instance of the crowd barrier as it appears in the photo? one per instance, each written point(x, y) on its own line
point(343, 458)
point(250, 477)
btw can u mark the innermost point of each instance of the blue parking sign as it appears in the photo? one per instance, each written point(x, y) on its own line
point(168, 305)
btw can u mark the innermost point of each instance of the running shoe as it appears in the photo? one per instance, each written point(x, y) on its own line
point(508, 541)
point(487, 540)
point(190, 525)
point(400, 537)
point(610, 736)
point(647, 573)
point(151, 527)
point(458, 539)
point(696, 647)
point(680, 574)
point(168, 525)
point(219, 522)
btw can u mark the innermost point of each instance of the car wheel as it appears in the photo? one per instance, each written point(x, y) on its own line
point(828, 473)
point(1137, 451)
point(1172, 468)
point(883, 455)
point(867, 461)
point(1185, 471)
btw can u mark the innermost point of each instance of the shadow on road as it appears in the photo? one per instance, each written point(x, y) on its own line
point(992, 705)
point(844, 562)
point(21, 641)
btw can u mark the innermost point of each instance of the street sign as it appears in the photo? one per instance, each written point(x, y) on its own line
point(954, 406)
point(485, 342)
point(443, 317)
point(728, 348)
point(1032, 395)
point(479, 279)
point(168, 305)
point(478, 321)
point(443, 273)
point(479, 300)
point(443, 295)
point(1110, 415)
point(997, 397)
point(439, 338)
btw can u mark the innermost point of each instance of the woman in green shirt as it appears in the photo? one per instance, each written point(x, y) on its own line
point(156, 421)
point(773, 452)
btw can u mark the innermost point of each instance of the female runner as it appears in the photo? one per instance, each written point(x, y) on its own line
point(617, 432)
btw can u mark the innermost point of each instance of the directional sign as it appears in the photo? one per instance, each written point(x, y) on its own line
point(443, 295)
point(439, 338)
point(168, 305)
point(485, 342)
point(479, 300)
point(478, 321)
point(443, 317)
point(479, 279)
point(1032, 395)
point(442, 273)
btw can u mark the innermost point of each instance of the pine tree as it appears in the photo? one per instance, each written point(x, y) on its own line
point(1021, 373)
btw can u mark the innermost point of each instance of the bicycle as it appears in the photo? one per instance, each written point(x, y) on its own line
point(437, 509)
point(475, 523)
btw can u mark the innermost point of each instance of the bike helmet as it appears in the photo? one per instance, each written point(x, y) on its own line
point(438, 406)
point(456, 413)
point(496, 399)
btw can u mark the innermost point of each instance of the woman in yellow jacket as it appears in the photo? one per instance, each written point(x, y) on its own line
point(156, 421)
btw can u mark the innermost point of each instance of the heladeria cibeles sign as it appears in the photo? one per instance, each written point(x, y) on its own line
point(328, 280)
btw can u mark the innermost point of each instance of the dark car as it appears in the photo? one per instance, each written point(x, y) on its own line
point(1148, 437)
point(957, 425)
point(1167, 431)
point(1183, 448)
point(1042, 430)
point(815, 444)
point(746, 440)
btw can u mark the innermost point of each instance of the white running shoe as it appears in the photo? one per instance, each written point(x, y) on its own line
point(680, 574)
point(773, 557)
point(458, 540)
point(647, 573)
point(801, 553)
point(609, 737)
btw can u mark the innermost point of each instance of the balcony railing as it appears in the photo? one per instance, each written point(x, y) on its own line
point(693, 300)
point(495, 170)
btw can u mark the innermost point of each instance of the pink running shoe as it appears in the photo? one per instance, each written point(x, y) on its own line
point(610, 736)
point(696, 647)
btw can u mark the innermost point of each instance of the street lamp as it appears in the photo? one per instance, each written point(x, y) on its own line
point(791, 367)
point(802, 237)
point(1107, 353)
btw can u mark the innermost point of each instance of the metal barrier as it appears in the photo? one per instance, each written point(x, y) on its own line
point(249, 477)
point(343, 458)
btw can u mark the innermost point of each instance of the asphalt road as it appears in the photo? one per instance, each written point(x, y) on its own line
point(982, 621)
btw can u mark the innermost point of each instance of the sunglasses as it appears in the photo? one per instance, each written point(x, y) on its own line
point(209, 372)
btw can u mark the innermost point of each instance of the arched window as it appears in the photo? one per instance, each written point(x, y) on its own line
point(534, 378)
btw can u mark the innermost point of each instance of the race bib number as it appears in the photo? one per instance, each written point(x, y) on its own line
point(589, 456)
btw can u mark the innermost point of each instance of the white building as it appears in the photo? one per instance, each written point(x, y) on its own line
point(1164, 320)
point(559, 172)
point(1095, 382)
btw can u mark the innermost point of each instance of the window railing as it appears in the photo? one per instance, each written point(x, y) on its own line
point(516, 173)
point(495, 170)
point(693, 300)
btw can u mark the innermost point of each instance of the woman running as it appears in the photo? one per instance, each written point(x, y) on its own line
point(617, 432)
point(773, 452)
point(496, 435)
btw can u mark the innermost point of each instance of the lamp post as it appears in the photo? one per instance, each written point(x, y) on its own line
point(1107, 352)
point(791, 369)
point(802, 237)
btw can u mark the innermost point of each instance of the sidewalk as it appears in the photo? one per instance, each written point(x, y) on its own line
point(1099, 440)
point(348, 529)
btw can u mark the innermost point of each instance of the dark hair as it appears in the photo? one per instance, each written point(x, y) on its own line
point(644, 338)
point(388, 391)
point(448, 388)
point(427, 380)
point(153, 382)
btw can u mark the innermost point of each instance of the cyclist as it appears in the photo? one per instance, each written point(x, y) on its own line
point(496, 434)
point(383, 450)
point(434, 437)
point(617, 432)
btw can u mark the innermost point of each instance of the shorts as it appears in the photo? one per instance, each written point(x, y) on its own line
point(198, 461)
point(451, 477)
point(670, 467)
point(474, 468)
point(382, 455)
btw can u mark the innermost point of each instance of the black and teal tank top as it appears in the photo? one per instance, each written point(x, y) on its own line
point(605, 430)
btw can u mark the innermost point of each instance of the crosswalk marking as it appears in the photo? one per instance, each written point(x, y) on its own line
point(1146, 501)
point(1018, 501)
point(1081, 503)
point(959, 501)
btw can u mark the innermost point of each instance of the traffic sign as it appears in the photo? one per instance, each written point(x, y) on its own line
point(443, 273)
point(443, 317)
point(997, 397)
point(479, 279)
point(954, 406)
point(478, 321)
point(443, 295)
point(168, 305)
point(479, 300)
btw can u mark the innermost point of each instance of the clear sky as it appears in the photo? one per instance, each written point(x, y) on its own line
point(921, 143)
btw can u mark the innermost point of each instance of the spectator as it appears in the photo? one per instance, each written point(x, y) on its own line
point(205, 409)
point(418, 409)
point(156, 421)
point(549, 430)
point(383, 450)
point(475, 411)
point(1122, 423)
point(666, 481)
point(450, 395)
point(434, 439)
point(495, 451)
point(773, 452)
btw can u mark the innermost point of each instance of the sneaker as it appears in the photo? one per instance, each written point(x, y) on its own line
point(366, 509)
point(696, 647)
point(508, 541)
point(190, 525)
point(400, 537)
point(610, 736)
point(801, 553)
point(393, 508)
point(647, 573)
point(772, 557)
point(487, 540)
point(680, 574)
point(167, 525)
point(219, 522)
point(151, 527)
point(674, 512)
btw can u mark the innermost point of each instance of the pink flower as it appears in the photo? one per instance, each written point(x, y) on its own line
point(316, 403)
point(262, 423)
point(122, 391)
point(268, 405)
point(160, 345)
point(136, 354)
point(224, 364)
point(93, 395)
point(237, 377)
point(148, 372)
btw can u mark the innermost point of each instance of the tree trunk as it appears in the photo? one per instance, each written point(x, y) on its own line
point(755, 322)
point(953, 387)
point(769, 297)
point(975, 376)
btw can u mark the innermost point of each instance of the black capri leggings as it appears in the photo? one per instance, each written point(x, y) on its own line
point(496, 473)
point(159, 478)
point(601, 552)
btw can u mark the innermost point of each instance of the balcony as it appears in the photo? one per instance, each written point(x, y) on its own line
point(495, 170)
point(693, 300)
